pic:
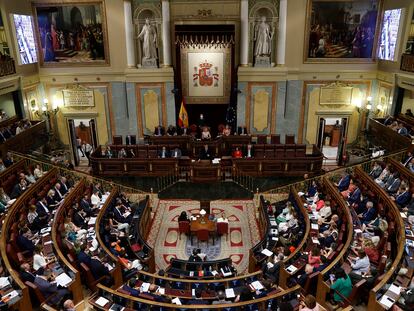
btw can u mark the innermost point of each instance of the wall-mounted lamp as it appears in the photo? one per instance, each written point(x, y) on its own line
point(57, 103)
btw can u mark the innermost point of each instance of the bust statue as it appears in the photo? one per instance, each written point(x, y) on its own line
point(148, 36)
point(263, 38)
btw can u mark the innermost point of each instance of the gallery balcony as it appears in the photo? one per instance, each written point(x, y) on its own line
point(407, 62)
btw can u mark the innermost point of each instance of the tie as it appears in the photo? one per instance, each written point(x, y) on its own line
point(44, 207)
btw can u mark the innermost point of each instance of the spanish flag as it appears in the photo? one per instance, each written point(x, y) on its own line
point(183, 116)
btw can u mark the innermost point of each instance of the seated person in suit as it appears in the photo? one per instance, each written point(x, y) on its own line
point(45, 282)
point(131, 153)
point(183, 216)
point(58, 194)
point(163, 153)
point(194, 256)
point(130, 140)
point(159, 131)
point(122, 154)
point(79, 217)
point(109, 153)
point(176, 153)
point(205, 133)
point(221, 299)
point(18, 189)
point(25, 273)
point(24, 240)
point(249, 153)
point(82, 255)
point(198, 300)
point(122, 213)
point(64, 185)
point(242, 130)
point(205, 153)
point(171, 131)
point(42, 210)
point(87, 207)
point(245, 294)
point(131, 287)
point(237, 153)
point(99, 270)
point(182, 131)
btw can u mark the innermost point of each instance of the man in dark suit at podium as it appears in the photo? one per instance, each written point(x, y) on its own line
point(205, 153)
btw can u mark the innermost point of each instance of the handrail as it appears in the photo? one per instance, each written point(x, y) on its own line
point(400, 236)
point(283, 274)
point(72, 196)
point(307, 223)
point(25, 301)
point(334, 172)
point(322, 288)
point(82, 174)
point(117, 267)
point(198, 307)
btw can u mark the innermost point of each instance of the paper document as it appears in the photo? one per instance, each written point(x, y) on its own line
point(291, 269)
point(230, 293)
point(92, 221)
point(177, 301)
point(386, 301)
point(257, 285)
point(395, 289)
point(314, 226)
point(267, 252)
point(101, 301)
point(63, 279)
point(4, 281)
point(145, 287)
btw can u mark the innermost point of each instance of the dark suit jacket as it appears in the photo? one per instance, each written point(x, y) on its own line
point(167, 154)
point(403, 198)
point(178, 153)
point(25, 244)
point(98, 270)
point(343, 183)
point(84, 258)
point(78, 220)
point(251, 152)
point(16, 192)
point(205, 155)
point(27, 276)
point(241, 130)
point(159, 131)
point(130, 140)
point(86, 207)
point(132, 291)
point(40, 210)
point(63, 188)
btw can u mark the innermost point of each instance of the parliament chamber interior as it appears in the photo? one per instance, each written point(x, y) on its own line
point(207, 155)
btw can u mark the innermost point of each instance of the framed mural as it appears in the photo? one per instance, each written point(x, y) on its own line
point(71, 33)
point(341, 31)
point(206, 74)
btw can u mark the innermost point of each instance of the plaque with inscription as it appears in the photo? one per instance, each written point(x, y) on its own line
point(78, 98)
point(335, 96)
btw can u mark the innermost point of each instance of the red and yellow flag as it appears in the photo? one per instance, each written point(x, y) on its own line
point(183, 116)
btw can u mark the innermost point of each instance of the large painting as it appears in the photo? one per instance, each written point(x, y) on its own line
point(71, 33)
point(206, 75)
point(341, 30)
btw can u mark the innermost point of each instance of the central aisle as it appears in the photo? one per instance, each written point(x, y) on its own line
point(243, 232)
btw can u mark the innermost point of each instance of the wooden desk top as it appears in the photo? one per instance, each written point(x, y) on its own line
point(196, 225)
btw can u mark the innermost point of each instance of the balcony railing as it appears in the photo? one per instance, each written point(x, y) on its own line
point(7, 66)
point(407, 62)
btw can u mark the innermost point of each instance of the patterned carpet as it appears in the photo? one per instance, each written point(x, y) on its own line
point(243, 232)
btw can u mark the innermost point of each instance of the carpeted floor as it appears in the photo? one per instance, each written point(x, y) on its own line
point(243, 232)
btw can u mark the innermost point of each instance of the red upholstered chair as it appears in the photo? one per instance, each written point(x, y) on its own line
point(262, 139)
point(117, 139)
point(183, 227)
point(223, 228)
point(202, 235)
point(275, 139)
point(289, 139)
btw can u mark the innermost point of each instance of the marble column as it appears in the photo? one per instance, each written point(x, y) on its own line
point(244, 33)
point(281, 42)
point(166, 36)
point(129, 34)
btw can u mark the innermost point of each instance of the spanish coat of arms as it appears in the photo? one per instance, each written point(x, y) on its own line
point(205, 75)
